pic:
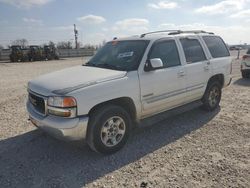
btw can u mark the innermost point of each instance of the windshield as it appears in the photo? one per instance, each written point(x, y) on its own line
point(119, 55)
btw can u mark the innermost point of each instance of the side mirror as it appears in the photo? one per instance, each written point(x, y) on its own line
point(153, 64)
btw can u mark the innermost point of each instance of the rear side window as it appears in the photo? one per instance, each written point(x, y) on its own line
point(193, 50)
point(167, 52)
point(216, 46)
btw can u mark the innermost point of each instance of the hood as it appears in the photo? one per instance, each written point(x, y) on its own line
point(70, 79)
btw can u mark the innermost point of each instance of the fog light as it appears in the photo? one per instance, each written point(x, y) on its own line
point(69, 112)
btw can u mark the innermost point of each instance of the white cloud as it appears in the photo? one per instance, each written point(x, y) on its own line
point(231, 34)
point(91, 19)
point(26, 3)
point(222, 7)
point(241, 14)
point(32, 21)
point(131, 25)
point(163, 5)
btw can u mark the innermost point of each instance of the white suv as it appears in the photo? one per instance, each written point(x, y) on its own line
point(245, 65)
point(128, 80)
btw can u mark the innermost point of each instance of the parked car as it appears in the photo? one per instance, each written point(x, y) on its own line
point(126, 81)
point(245, 65)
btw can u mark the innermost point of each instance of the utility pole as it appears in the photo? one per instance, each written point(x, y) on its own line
point(76, 36)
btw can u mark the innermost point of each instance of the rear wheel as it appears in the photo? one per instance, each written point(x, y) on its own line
point(212, 96)
point(109, 128)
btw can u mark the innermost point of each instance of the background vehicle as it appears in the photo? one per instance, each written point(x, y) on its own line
point(50, 53)
point(129, 80)
point(245, 65)
point(18, 54)
point(35, 53)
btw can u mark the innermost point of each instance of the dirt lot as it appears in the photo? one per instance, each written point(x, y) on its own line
point(189, 148)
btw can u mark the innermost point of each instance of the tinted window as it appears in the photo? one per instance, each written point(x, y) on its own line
point(193, 50)
point(167, 52)
point(248, 51)
point(216, 46)
point(119, 55)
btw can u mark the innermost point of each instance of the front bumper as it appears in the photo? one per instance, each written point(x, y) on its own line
point(61, 128)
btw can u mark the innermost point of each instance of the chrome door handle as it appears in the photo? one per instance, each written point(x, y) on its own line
point(181, 73)
point(206, 67)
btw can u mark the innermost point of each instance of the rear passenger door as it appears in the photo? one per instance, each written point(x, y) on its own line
point(198, 67)
point(221, 62)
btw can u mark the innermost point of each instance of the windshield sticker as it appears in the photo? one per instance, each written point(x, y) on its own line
point(125, 54)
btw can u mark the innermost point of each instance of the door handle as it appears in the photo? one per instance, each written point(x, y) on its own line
point(181, 73)
point(206, 67)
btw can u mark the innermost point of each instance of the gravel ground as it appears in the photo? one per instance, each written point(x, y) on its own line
point(181, 148)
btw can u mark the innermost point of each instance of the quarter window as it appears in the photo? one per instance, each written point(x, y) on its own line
point(167, 51)
point(193, 50)
point(216, 46)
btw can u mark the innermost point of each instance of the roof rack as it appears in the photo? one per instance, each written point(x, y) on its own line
point(163, 31)
point(190, 31)
point(175, 32)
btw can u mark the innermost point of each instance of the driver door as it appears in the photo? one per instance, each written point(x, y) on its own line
point(164, 88)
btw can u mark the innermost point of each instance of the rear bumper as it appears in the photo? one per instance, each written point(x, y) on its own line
point(61, 128)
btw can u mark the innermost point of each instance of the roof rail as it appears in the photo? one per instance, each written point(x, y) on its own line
point(163, 31)
point(175, 32)
point(190, 31)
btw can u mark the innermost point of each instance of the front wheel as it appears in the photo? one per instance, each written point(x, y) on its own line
point(212, 96)
point(109, 128)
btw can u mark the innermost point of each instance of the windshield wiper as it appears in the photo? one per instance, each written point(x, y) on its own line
point(89, 64)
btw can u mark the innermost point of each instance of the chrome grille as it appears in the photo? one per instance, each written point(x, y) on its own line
point(38, 103)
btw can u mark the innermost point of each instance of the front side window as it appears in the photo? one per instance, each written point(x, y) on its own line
point(193, 50)
point(216, 46)
point(120, 55)
point(167, 51)
point(248, 51)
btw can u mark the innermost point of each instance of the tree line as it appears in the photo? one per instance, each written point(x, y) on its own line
point(24, 43)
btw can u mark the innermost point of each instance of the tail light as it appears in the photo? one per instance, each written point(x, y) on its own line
point(245, 57)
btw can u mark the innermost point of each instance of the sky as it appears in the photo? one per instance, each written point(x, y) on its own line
point(40, 21)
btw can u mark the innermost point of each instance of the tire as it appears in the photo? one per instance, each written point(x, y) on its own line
point(244, 75)
point(212, 96)
point(108, 129)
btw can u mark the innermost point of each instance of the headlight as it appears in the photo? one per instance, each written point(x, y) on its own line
point(62, 102)
point(62, 106)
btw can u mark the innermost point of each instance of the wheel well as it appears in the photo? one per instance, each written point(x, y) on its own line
point(124, 102)
point(217, 77)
